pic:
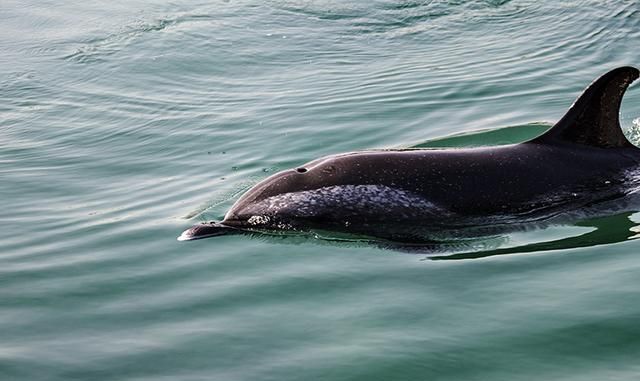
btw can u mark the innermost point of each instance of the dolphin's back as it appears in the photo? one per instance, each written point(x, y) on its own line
point(583, 161)
point(494, 179)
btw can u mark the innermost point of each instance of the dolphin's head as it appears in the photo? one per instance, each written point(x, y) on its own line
point(351, 192)
point(286, 196)
point(283, 200)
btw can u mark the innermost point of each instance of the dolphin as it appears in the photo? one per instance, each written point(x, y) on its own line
point(583, 165)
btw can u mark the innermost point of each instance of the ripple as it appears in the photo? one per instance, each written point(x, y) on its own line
point(98, 49)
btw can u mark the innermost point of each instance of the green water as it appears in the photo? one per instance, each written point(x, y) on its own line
point(123, 123)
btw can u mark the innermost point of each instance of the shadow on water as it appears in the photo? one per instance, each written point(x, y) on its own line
point(607, 230)
point(601, 231)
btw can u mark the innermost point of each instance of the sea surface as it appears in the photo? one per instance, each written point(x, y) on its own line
point(122, 123)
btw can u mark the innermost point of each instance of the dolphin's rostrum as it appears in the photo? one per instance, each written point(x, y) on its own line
point(583, 163)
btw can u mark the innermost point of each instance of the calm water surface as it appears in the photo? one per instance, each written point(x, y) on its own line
point(123, 123)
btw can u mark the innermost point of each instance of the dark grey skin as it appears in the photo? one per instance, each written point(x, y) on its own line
point(582, 163)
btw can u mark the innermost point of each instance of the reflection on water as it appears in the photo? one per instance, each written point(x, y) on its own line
point(600, 231)
point(606, 230)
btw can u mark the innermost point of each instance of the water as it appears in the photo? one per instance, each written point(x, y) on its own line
point(123, 123)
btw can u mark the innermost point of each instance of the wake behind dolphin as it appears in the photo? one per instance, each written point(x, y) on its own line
point(583, 165)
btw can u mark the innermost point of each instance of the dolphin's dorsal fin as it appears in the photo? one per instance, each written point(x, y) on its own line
point(593, 119)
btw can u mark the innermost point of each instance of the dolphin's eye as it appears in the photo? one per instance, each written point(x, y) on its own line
point(301, 170)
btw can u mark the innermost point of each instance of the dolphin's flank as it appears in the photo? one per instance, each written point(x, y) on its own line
point(583, 165)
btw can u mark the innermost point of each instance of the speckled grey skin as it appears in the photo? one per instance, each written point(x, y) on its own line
point(414, 195)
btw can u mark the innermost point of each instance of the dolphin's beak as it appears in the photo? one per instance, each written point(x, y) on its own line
point(205, 230)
